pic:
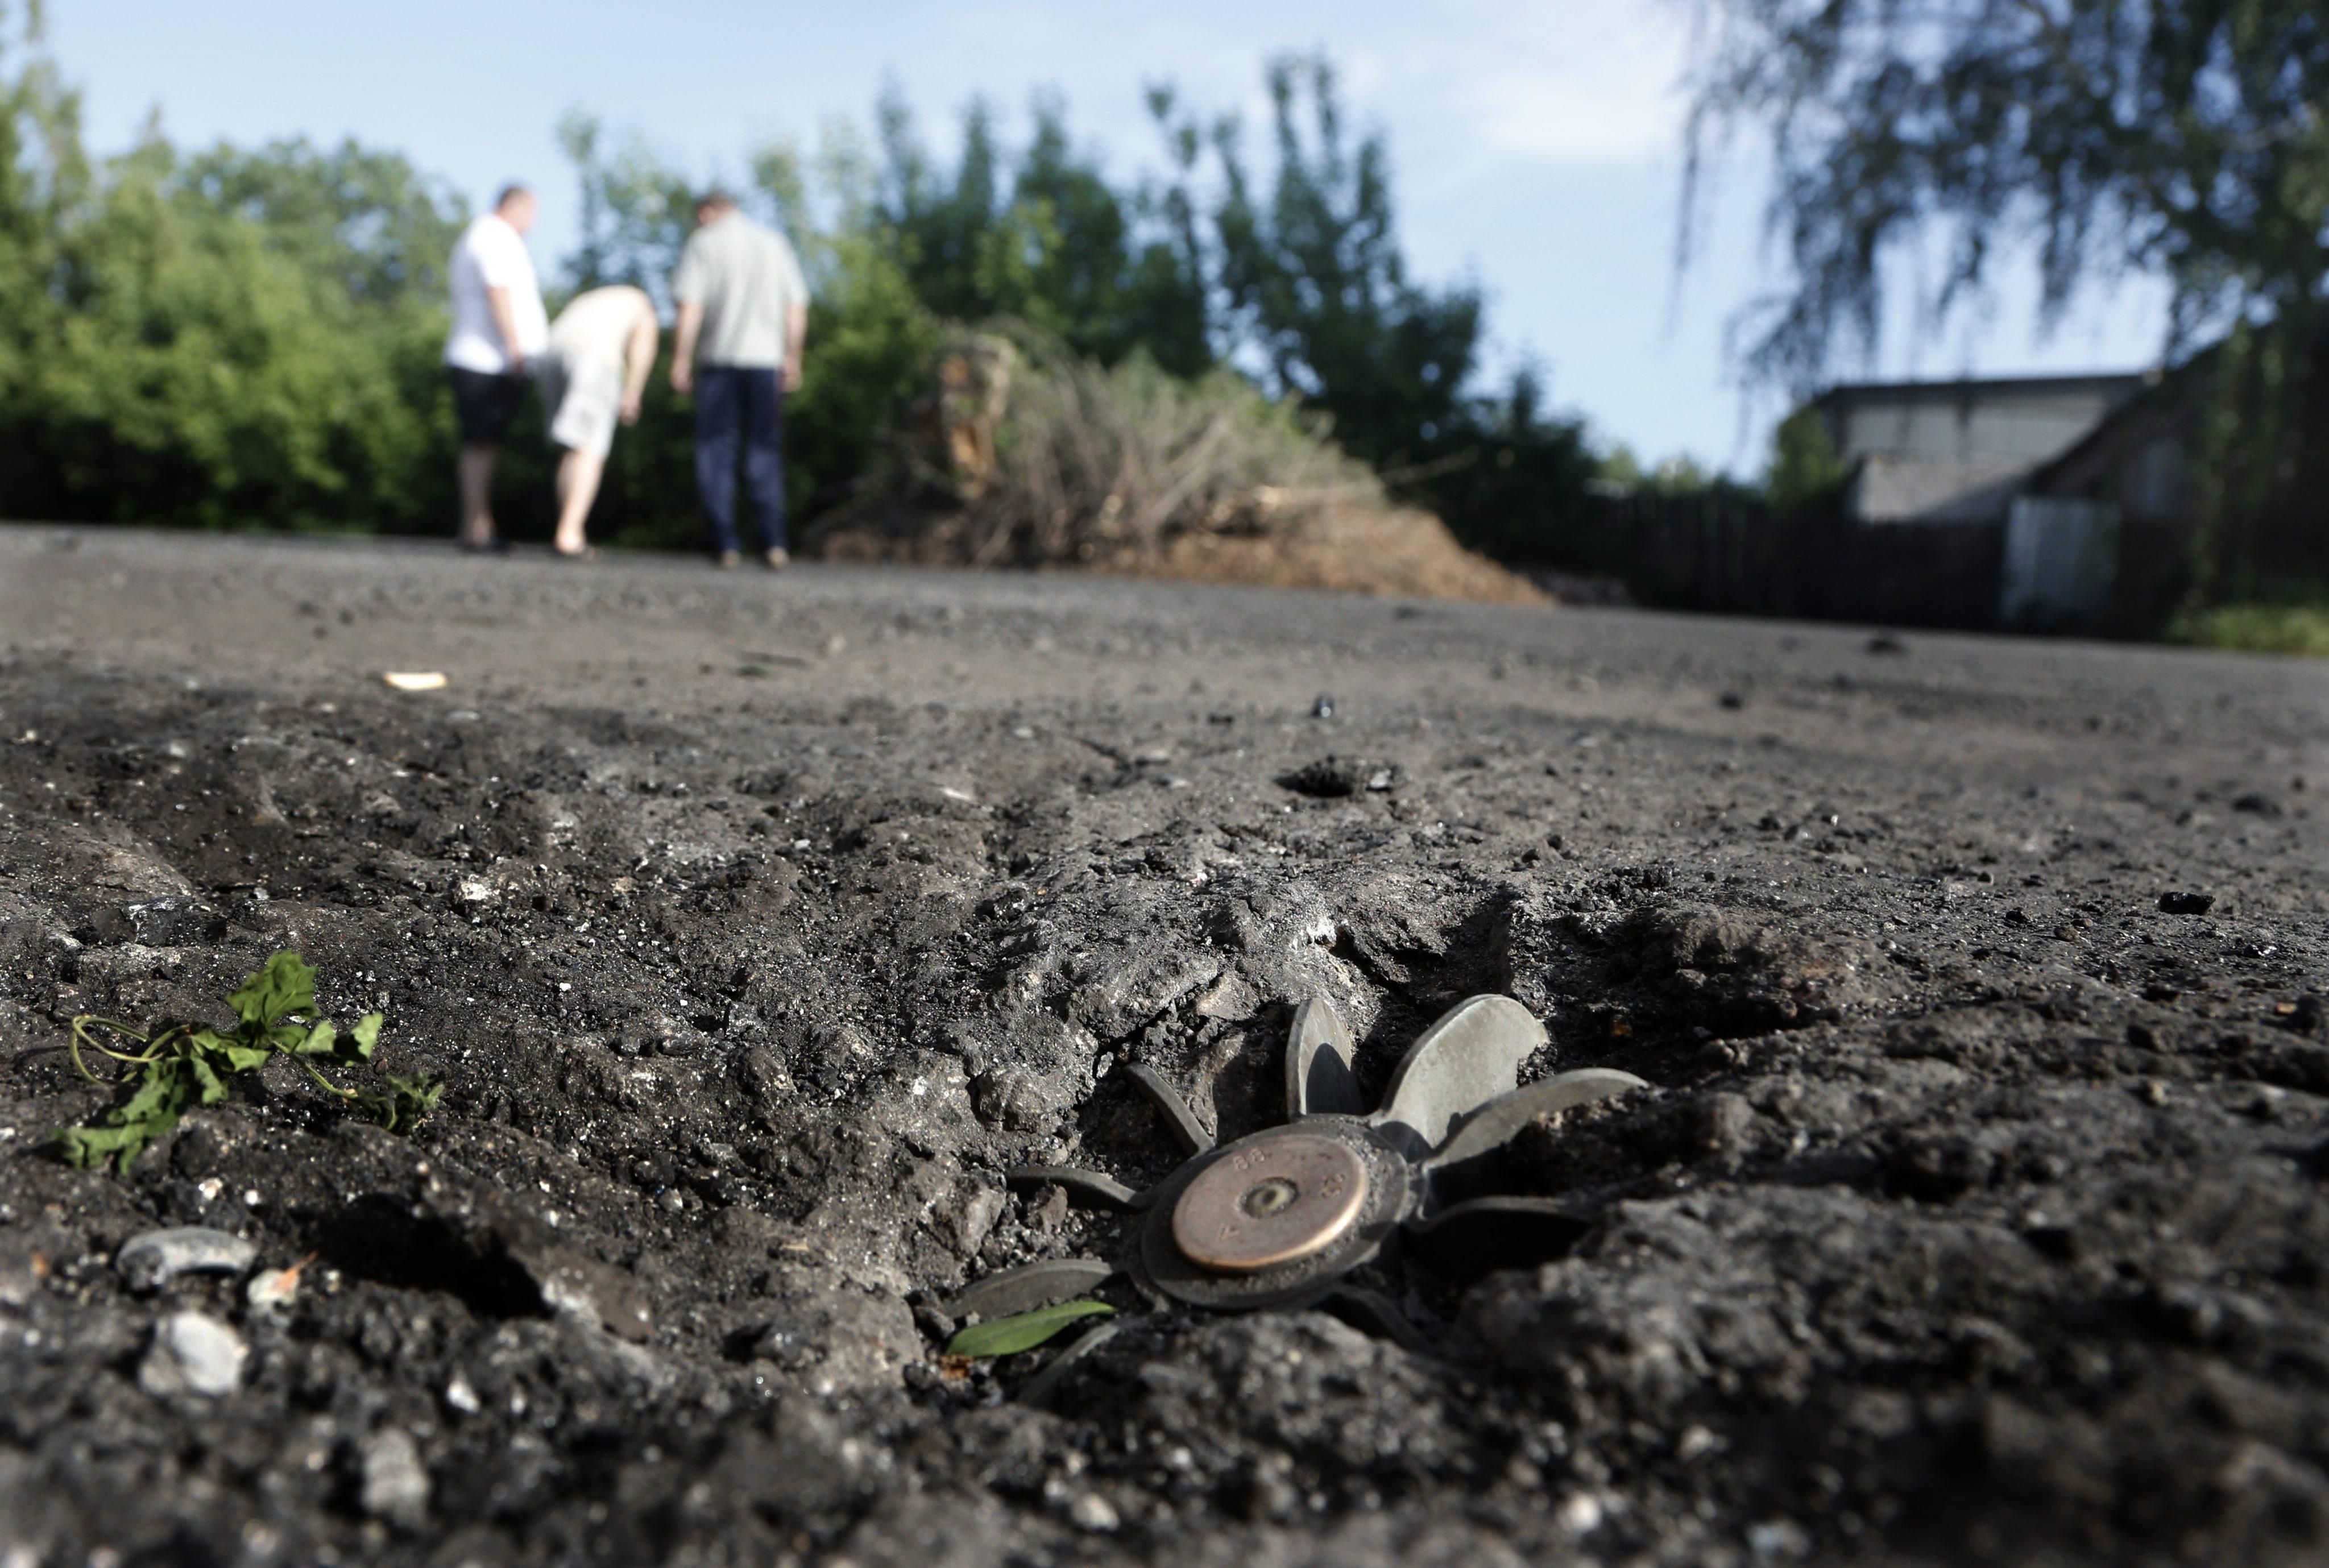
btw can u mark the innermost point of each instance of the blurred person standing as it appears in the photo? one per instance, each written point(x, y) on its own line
point(594, 370)
point(743, 312)
point(499, 326)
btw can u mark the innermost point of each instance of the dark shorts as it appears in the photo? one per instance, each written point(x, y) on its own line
point(484, 405)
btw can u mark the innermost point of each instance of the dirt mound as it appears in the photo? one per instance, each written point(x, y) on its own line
point(1021, 453)
point(1350, 549)
point(1353, 549)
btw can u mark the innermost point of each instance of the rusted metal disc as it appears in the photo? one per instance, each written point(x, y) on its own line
point(1282, 1199)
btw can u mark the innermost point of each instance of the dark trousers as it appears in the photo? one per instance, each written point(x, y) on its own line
point(736, 406)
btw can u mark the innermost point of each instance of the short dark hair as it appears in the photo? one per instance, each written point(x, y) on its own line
point(510, 193)
point(716, 196)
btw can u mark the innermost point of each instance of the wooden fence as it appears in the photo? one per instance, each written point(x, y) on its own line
point(1734, 555)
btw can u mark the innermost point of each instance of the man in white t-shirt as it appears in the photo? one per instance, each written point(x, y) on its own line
point(499, 326)
point(593, 375)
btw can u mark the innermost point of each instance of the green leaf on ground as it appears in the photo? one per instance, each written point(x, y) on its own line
point(285, 984)
point(181, 1066)
point(86, 1147)
point(405, 1101)
point(239, 1055)
point(1022, 1330)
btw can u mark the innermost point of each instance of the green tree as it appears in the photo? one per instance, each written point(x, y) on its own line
point(1107, 270)
point(1804, 470)
point(358, 215)
point(1316, 284)
point(2187, 139)
point(2185, 136)
point(1311, 287)
point(201, 375)
point(636, 210)
point(1122, 275)
point(1519, 489)
point(44, 180)
point(238, 339)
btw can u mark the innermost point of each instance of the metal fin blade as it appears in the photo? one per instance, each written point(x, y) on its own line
point(1493, 1124)
point(1186, 1129)
point(1471, 1056)
point(1029, 1286)
point(1319, 1077)
point(1089, 1186)
point(1373, 1312)
point(1037, 1391)
point(1497, 1233)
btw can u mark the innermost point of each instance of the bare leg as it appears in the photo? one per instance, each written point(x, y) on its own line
point(577, 487)
point(476, 472)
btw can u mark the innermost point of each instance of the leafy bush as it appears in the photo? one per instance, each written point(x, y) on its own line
point(2256, 628)
point(238, 338)
point(1803, 473)
point(1023, 453)
point(1096, 461)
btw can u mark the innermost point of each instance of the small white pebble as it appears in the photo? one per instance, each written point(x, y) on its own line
point(273, 1288)
point(1695, 1441)
point(1778, 1538)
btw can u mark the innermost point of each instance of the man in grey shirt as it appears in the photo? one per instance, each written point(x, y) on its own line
point(743, 315)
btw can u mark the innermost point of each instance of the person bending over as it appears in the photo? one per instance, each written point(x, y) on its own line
point(601, 347)
point(498, 327)
point(743, 312)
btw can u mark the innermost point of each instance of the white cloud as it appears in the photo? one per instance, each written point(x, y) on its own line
point(1588, 81)
point(1557, 113)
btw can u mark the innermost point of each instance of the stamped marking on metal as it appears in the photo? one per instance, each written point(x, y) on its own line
point(1284, 1200)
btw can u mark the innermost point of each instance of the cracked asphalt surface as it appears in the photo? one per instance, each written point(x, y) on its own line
point(759, 924)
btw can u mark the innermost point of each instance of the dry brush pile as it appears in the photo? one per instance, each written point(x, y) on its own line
point(1023, 455)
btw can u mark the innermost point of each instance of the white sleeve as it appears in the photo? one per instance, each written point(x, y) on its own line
point(502, 261)
point(795, 284)
point(687, 279)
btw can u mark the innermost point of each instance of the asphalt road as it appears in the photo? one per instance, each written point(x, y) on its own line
point(756, 924)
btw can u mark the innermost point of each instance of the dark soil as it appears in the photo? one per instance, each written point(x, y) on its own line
point(759, 924)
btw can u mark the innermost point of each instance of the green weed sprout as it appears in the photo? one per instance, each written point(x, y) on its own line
point(183, 1066)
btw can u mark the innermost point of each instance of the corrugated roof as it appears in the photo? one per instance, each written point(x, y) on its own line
point(2124, 382)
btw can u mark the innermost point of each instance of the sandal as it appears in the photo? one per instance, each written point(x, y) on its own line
point(589, 552)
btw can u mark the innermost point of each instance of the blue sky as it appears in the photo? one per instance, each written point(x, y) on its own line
point(1535, 147)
